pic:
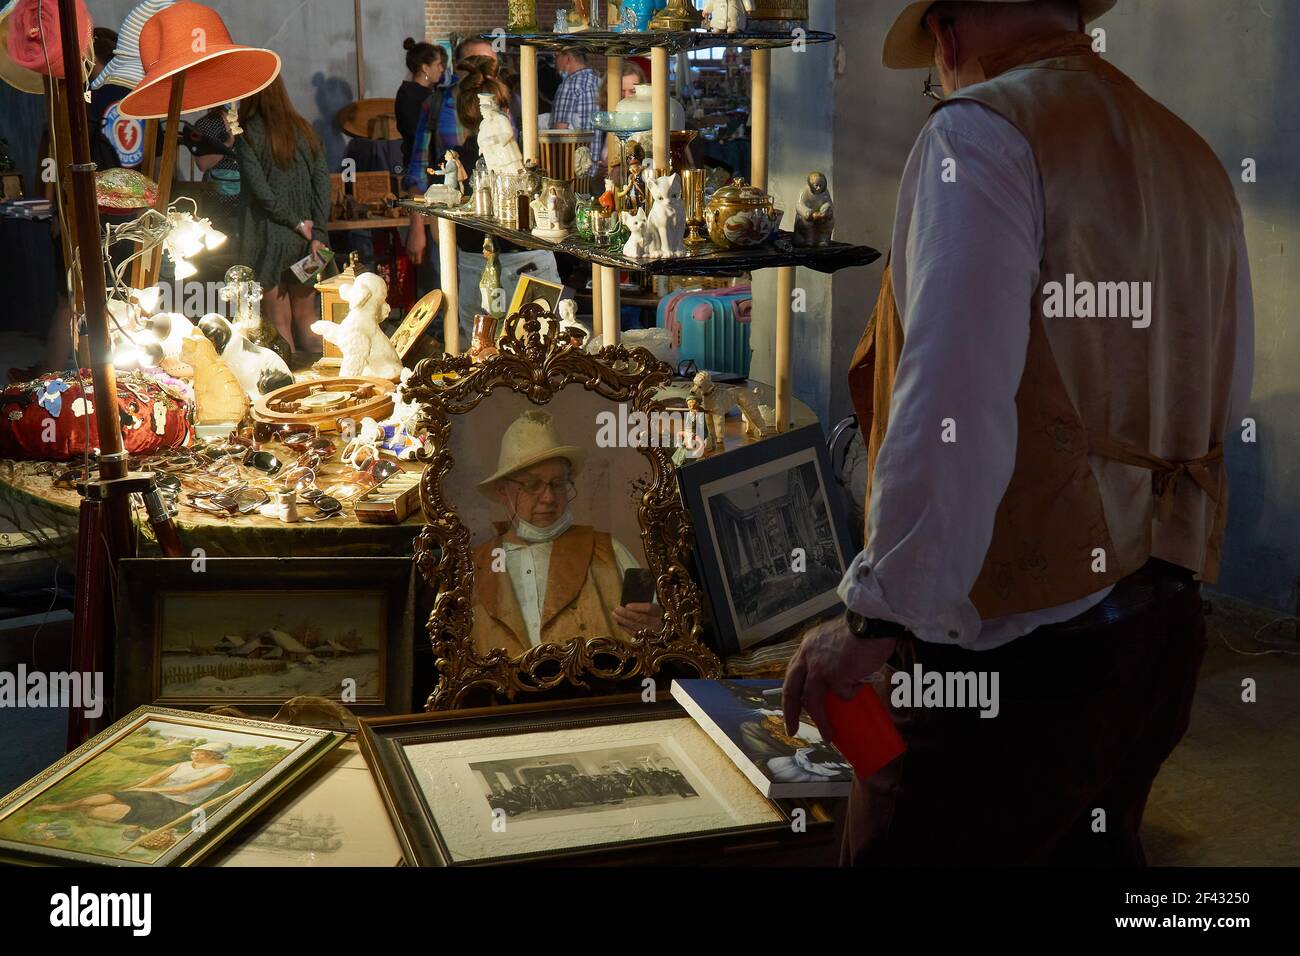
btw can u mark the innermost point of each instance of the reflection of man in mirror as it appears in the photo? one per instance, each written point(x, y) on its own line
point(542, 578)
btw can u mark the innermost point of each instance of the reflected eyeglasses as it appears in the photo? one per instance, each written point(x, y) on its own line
point(560, 489)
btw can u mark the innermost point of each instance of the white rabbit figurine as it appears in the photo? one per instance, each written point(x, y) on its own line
point(366, 349)
point(640, 243)
point(667, 219)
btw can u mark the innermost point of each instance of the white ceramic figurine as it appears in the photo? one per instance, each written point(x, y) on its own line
point(639, 244)
point(815, 213)
point(496, 138)
point(258, 369)
point(728, 16)
point(667, 219)
point(366, 349)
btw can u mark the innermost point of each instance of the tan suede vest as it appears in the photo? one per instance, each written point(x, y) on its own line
point(1132, 194)
point(583, 587)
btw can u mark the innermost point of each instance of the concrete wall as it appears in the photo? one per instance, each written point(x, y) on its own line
point(1224, 66)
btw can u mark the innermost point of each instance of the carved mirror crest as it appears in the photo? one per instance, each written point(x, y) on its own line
point(537, 506)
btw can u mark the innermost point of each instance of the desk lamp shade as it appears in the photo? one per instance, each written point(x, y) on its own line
point(190, 38)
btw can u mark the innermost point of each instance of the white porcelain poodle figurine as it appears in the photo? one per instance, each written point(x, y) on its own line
point(366, 349)
point(667, 218)
point(728, 16)
point(639, 243)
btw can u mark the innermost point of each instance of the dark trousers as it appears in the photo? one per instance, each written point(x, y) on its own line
point(1089, 710)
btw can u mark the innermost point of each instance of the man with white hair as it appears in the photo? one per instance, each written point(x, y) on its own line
point(542, 578)
point(1061, 346)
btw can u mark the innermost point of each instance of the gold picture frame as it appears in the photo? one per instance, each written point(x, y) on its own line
point(416, 324)
point(536, 361)
point(539, 291)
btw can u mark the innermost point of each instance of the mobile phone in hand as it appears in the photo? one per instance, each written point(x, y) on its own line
point(638, 586)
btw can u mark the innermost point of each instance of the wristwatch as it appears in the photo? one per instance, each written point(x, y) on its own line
point(871, 628)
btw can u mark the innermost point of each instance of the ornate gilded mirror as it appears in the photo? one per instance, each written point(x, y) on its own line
point(551, 500)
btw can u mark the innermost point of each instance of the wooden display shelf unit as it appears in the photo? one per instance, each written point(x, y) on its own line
point(780, 254)
point(709, 261)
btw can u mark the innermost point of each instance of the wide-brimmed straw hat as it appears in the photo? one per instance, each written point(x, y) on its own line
point(530, 440)
point(910, 45)
point(370, 119)
point(33, 45)
point(218, 71)
point(125, 68)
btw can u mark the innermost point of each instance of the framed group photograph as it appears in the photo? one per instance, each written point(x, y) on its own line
point(564, 781)
point(160, 787)
point(537, 291)
point(771, 539)
point(254, 632)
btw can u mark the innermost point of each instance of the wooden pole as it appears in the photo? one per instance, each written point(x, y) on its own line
point(148, 167)
point(784, 330)
point(528, 94)
point(450, 286)
point(166, 174)
point(361, 58)
point(609, 305)
point(761, 69)
point(662, 118)
point(105, 518)
point(56, 94)
point(597, 322)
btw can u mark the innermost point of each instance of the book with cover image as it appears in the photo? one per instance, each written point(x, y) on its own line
point(744, 718)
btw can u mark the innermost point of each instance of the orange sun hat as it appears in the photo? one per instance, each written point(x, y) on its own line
point(192, 39)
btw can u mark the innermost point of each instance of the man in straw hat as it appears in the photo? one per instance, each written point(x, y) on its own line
point(542, 578)
point(1060, 347)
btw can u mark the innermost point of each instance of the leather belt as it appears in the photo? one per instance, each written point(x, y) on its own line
point(1134, 595)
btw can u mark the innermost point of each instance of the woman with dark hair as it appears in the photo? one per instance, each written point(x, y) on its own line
point(426, 63)
point(479, 74)
point(285, 202)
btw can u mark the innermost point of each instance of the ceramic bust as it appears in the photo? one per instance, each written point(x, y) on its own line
point(815, 213)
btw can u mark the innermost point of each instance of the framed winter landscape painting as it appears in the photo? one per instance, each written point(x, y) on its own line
point(253, 633)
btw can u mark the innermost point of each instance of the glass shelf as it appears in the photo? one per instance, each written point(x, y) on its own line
point(605, 43)
point(709, 261)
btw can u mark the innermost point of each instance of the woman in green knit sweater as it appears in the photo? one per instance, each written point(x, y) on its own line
point(285, 202)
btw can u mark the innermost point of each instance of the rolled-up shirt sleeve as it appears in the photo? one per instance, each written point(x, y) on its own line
point(967, 250)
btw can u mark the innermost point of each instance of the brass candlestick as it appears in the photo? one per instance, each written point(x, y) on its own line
point(678, 15)
point(693, 181)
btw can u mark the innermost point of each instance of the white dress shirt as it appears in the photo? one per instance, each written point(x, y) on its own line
point(966, 257)
point(529, 567)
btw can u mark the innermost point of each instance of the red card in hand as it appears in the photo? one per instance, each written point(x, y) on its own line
point(864, 731)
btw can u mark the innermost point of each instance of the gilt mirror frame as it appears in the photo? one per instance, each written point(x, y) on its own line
point(538, 361)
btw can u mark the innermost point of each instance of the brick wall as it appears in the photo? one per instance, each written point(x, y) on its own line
point(445, 17)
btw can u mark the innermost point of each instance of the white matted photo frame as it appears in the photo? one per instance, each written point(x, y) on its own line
point(568, 781)
point(771, 540)
point(160, 787)
point(252, 633)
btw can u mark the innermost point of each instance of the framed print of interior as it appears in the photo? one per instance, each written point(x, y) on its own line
point(565, 781)
point(771, 539)
point(254, 632)
point(160, 787)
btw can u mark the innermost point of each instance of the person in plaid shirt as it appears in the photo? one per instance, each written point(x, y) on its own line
point(575, 100)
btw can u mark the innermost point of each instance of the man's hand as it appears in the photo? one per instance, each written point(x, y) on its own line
point(416, 242)
point(831, 659)
point(634, 617)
